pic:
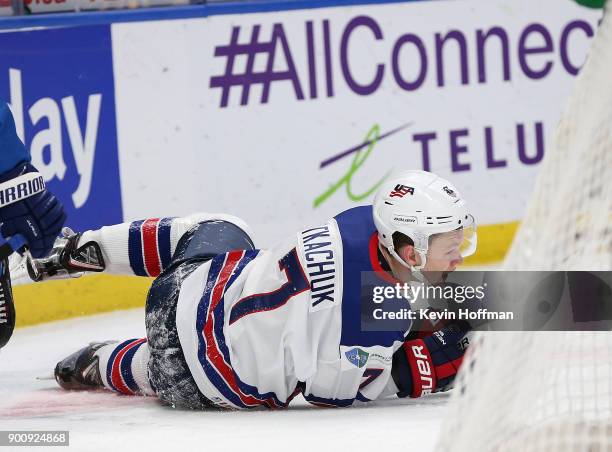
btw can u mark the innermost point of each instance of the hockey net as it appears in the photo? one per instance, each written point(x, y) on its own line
point(551, 391)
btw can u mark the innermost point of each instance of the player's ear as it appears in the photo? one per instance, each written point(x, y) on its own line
point(409, 255)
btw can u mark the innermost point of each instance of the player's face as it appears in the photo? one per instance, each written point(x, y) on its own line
point(444, 253)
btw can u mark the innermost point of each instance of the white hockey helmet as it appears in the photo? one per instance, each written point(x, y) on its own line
point(420, 204)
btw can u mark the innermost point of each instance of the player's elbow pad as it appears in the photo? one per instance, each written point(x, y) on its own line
point(423, 366)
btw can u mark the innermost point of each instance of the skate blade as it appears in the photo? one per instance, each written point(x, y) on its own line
point(45, 377)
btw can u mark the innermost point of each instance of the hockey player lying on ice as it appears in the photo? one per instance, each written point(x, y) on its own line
point(232, 326)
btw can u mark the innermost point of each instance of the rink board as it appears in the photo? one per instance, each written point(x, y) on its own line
point(285, 115)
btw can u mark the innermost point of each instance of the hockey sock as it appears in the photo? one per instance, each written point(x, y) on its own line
point(123, 367)
point(145, 247)
point(141, 247)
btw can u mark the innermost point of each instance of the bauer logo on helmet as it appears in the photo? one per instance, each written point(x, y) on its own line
point(403, 219)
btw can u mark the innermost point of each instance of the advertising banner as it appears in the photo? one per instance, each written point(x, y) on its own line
point(59, 84)
point(287, 118)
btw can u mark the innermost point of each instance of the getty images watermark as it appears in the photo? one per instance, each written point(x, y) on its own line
point(492, 300)
point(411, 293)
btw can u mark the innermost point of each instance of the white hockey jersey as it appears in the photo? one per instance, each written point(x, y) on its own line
point(259, 327)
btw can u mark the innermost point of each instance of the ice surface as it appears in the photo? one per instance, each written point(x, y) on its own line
point(103, 421)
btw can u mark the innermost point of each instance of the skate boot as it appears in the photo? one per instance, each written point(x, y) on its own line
point(80, 370)
point(67, 259)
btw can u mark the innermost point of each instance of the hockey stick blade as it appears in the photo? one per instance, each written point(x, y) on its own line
point(12, 244)
point(7, 306)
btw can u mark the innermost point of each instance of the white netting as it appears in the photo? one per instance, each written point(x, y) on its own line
point(520, 391)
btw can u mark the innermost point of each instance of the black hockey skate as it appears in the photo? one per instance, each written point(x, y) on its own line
point(80, 370)
point(67, 259)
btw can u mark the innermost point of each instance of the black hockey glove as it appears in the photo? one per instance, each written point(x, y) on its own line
point(423, 366)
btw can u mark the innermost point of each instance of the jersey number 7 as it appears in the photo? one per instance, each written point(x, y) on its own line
point(297, 282)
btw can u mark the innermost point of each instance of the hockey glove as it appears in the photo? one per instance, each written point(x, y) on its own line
point(423, 366)
point(27, 208)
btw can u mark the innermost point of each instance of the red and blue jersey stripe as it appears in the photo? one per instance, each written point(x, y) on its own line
point(297, 282)
point(213, 352)
point(119, 368)
point(149, 246)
